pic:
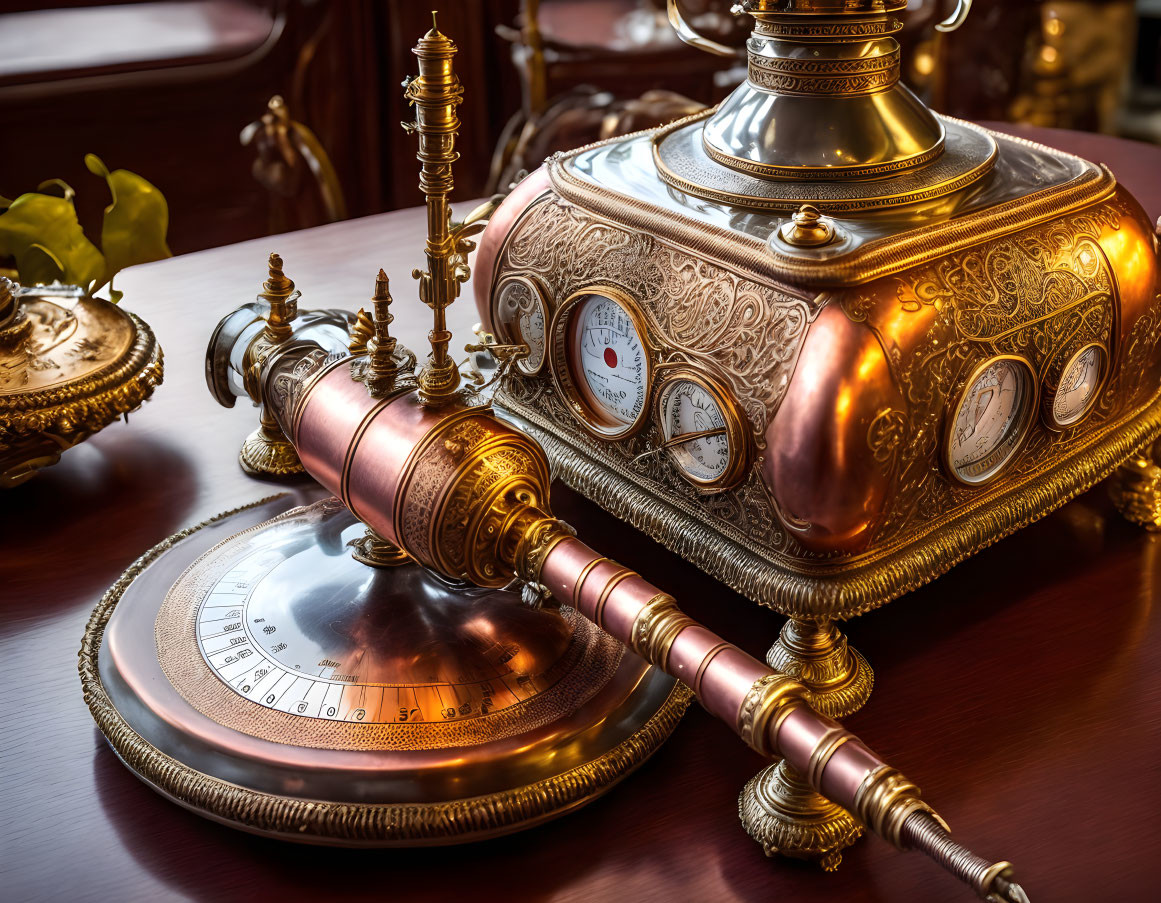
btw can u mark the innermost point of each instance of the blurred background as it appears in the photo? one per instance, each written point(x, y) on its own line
point(261, 116)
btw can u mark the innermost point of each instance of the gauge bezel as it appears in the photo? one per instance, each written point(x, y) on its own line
point(1027, 418)
point(571, 390)
point(507, 332)
point(737, 434)
point(1048, 400)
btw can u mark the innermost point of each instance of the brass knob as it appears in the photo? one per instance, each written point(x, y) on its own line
point(808, 228)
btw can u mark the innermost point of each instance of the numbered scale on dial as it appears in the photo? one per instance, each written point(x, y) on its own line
point(992, 419)
point(602, 363)
point(257, 673)
point(315, 658)
point(702, 429)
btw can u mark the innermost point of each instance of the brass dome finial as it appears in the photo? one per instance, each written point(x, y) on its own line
point(279, 291)
point(277, 283)
point(808, 228)
point(15, 325)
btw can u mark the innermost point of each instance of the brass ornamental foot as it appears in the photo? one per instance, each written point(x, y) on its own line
point(267, 453)
point(816, 653)
point(780, 811)
point(374, 551)
point(1136, 489)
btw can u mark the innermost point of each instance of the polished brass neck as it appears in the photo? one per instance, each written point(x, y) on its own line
point(822, 100)
point(435, 93)
point(825, 69)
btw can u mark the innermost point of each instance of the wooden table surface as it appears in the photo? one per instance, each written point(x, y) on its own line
point(1022, 691)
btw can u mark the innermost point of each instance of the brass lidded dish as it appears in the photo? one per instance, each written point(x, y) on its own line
point(69, 366)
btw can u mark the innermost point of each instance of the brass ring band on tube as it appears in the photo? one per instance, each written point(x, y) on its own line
point(826, 747)
point(655, 628)
point(885, 799)
point(535, 546)
point(695, 684)
point(352, 449)
point(771, 698)
point(599, 611)
point(581, 578)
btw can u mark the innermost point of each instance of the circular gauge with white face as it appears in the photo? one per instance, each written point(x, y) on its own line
point(992, 419)
point(605, 371)
point(701, 430)
point(521, 315)
point(1079, 382)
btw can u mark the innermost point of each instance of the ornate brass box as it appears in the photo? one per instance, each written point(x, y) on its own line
point(889, 352)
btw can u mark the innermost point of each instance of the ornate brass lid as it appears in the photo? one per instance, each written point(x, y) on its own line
point(69, 366)
point(822, 104)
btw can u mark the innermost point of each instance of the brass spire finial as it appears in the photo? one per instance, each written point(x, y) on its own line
point(435, 93)
point(383, 365)
point(278, 290)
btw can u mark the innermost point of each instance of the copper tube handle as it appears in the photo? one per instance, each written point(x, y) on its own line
point(769, 710)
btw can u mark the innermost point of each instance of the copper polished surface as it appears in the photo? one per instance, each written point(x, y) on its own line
point(842, 381)
point(492, 240)
point(327, 419)
point(723, 675)
point(393, 435)
point(1010, 637)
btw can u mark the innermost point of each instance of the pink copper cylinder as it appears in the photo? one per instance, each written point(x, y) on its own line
point(612, 596)
point(719, 673)
point(496, 234)
point(360, 447)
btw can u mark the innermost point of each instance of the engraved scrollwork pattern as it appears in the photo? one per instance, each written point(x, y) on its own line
point(701, 313)
point(1041, 294)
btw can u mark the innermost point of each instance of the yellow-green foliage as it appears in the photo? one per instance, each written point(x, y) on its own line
point(42, 233)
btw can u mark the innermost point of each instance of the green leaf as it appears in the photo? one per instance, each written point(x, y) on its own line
point(66, 189)
point(135, 223)
point(42, 233)
point(41, 266)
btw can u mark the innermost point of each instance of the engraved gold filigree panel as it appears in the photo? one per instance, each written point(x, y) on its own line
point(1043, 295)
point(699, 314)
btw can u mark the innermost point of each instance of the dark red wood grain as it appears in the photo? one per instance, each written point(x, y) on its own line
point(1022, 691)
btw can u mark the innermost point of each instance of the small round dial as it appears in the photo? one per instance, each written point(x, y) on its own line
point(522, 316)
point(992, 419)
point(1078, 386)
point(607, 364)
point(701, 430)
